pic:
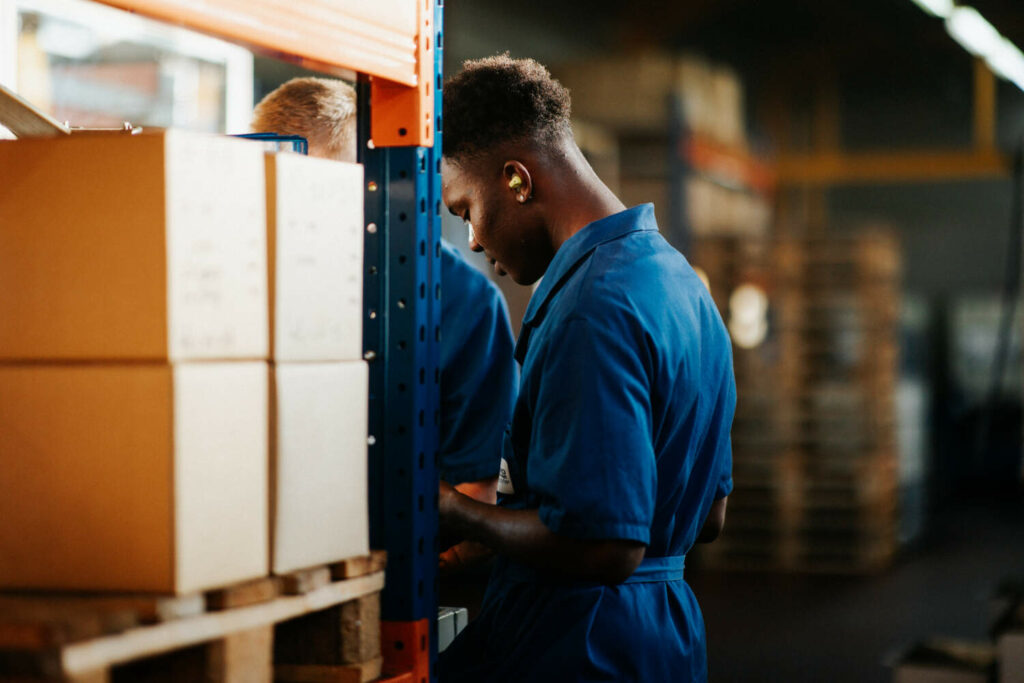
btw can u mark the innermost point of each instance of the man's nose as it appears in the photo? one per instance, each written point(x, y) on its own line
point(473, 244)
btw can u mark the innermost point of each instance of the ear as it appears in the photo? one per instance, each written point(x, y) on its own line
point(518, 180)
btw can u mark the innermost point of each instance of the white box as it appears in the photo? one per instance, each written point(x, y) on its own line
point(136, 477)
point(320, 510)
point(315, 246)
point(141, 247)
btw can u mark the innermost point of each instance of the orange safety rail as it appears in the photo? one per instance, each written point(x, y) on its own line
point(405, 646)
point(376, 38)
point(400, 115)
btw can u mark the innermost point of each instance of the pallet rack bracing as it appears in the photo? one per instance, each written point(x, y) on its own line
point(395, 47)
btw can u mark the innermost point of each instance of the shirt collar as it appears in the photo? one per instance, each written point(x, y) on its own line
point(578, 247)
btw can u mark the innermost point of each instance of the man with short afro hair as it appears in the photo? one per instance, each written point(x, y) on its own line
point(500, 99)
point(618, 458)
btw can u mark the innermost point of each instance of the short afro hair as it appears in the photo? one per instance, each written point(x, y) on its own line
point(322, 110)
point(499, 99)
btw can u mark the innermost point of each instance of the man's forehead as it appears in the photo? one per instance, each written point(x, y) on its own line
point(453, 180)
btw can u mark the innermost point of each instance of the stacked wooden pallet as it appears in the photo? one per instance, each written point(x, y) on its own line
point(320, 624)
point(838, 307)
point(814, 453)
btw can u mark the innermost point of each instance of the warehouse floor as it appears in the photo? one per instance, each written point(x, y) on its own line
point(770, 627)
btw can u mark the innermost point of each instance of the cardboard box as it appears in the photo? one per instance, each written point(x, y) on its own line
point(315, 248)
point(320, 510)
point(944, 660)
point(1011, 656)
point(140, 477)
point(635, 94)
point(141, 247)
point(625, 93)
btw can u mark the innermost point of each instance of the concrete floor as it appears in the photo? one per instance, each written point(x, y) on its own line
point(772, 627)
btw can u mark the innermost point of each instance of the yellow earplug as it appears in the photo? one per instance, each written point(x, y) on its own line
point(515, 182)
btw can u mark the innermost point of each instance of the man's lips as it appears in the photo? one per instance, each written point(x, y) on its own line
point(497, 266)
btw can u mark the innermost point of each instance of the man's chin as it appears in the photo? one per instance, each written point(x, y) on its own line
point(526, 280)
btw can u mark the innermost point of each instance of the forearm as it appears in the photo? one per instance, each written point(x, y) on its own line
point(522, 536)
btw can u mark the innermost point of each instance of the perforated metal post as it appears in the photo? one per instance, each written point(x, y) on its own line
point(402, 329)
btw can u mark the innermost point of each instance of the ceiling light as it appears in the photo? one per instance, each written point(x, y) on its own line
point(1007, 61)
point(980, 38)
point(938, 8)
point(973, 32)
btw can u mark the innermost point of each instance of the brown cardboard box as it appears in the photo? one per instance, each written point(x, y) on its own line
point(1011, 656)
point(319, 467)
point(634, 94)
point(315, 247)
point(141, 247)
point(944, 660)
point(140, 477)
point(625, 93)
point(726, 93)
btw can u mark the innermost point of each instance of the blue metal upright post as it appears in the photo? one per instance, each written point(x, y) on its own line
point(402, 330)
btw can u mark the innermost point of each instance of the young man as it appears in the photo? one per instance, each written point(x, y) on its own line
point(618, 458)
point(478, 376)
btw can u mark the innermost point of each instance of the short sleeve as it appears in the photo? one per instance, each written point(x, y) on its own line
point(478, 375)
point(592, 462)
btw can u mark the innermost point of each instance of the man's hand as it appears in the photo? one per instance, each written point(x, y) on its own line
point(484, 490)
point(522, 536)
point(462, 557)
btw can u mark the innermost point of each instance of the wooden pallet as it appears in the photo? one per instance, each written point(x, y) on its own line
point(237, 633)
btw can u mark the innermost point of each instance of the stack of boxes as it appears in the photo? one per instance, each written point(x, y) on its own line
point(320, 382)
point(664, 110)
point(137, 420)
point(633, 94)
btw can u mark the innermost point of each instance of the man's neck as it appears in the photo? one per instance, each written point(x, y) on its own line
point(585, 199)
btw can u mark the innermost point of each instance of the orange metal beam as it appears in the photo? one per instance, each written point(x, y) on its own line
point(390, 40)
point(378, 38)
point(402, 116)
point(890, 167)
point(727, 164)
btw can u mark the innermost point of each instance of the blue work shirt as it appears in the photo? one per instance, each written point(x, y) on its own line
point(620, 431)
point(478, 372)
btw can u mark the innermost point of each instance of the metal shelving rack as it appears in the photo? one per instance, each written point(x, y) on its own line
point(394, 47)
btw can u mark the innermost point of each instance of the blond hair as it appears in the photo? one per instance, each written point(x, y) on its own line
point(322, 110)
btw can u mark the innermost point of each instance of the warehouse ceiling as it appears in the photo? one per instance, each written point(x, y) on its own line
point(746, 31)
